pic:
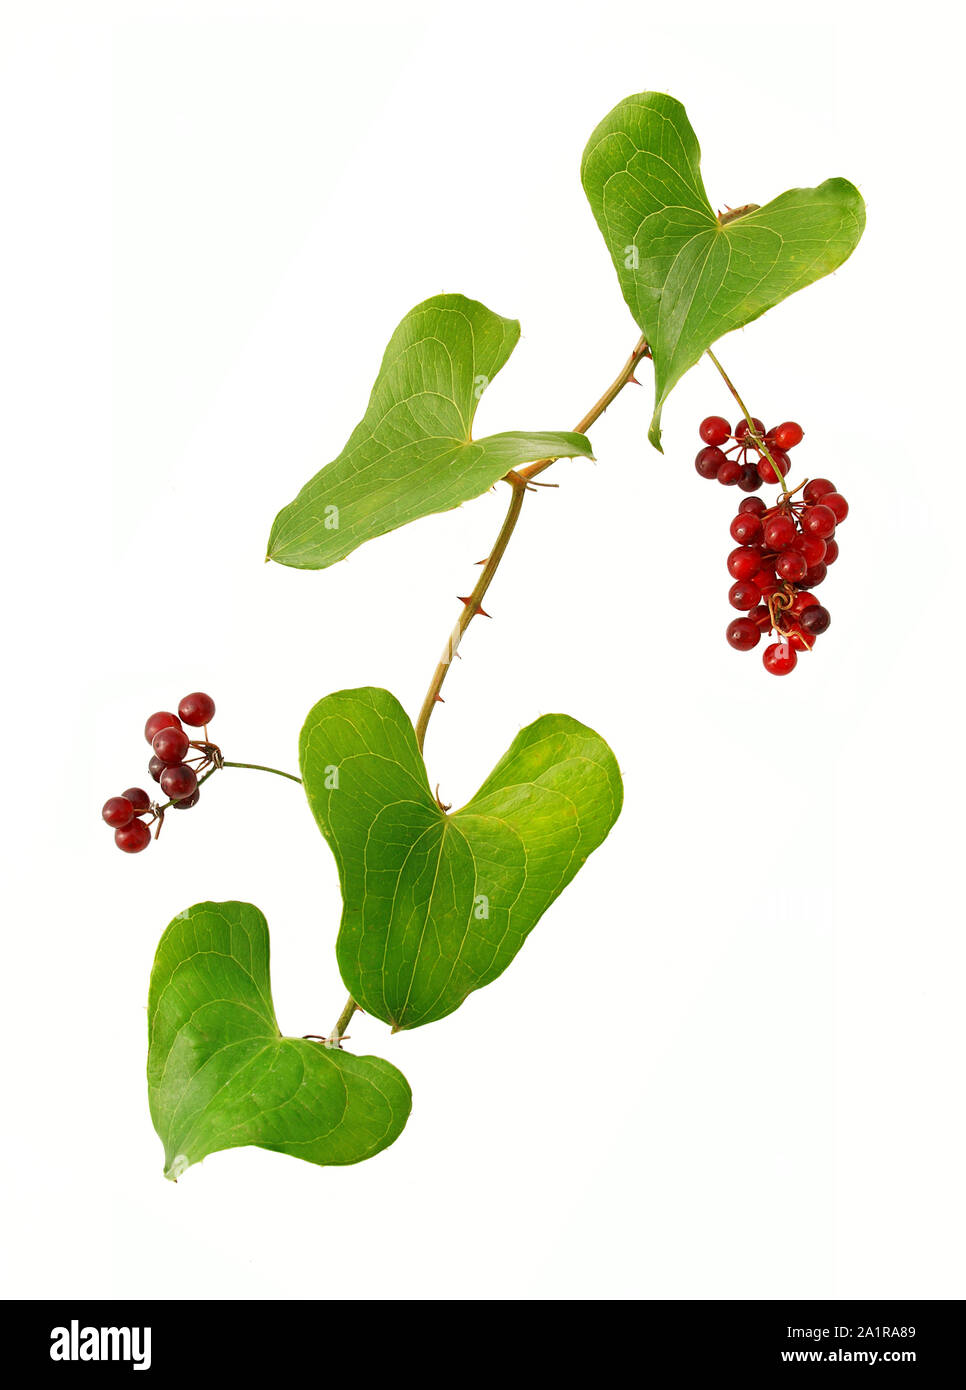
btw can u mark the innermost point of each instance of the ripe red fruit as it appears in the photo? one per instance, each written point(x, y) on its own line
point(818, 520)
point(744, 594)
point(761, 617)
point(708, 461)
point(743, 562)
point(186, 802)
point(831, 552)
point(817, 488)
point(814, 576)
point(787, 435)
point(779, 658)
point(197, 709)
point(170, 745)
point(179, 781)
point(837, 504)
point(714, 430)
point(749, 480)
point(741, 429)
point(133, 838)
point(117, 811)
point(799, 641)
point(139, 800)
point(743, 634)
point(802, 600)
point(791, 566)
point(816, 619)
point(746, 528)
point(780, 531)
point(729, 472)
point(752, 506)
point(780, 460)
point(164, 719)
point(156, 767)
point(813, 548)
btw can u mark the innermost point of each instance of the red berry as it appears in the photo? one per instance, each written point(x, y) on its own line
point(170, 745)
point(708, 461)
point(729, 472)
point(743, 634)
point(791, 566)
point(186, 802)
point(799, 641)
point(817, 488)
point(780, 531)
point(818, 520)
point(779, 658)
point(816, 619)
point(179, 781)
point(744, 594)
point(766, 583)
point(741, 429)
point(746, 528)
point(743, 562)
point(164, 719)
point(813, 548)
point(714, 430)
point(749, 480)
point(787, 435)
point(139, 800)
point(761, 617)
point(831, 552)
point(814, 576)
point(766, 466)
point(197, 709)
point(133, 838)
point(752, 506)
point(837, 504)
point(802, 600)
point(156, 767)
point(117, 811)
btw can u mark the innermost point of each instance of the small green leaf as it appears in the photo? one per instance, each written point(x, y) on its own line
point(686, 278)
point(413, 452)
point(437, 905)
point(221, 1075)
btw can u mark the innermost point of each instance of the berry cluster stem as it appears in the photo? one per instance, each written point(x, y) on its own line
point(756, 438)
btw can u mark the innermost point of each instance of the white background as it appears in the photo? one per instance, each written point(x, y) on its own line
point(728, 1064)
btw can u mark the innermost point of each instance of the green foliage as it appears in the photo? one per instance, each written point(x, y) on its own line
point(221, 1075)
point(413, 452)
point(437, 905)
point(686, 278)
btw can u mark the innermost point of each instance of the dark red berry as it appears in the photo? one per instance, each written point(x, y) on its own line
point(815, 619)
point(813, 548)
point(133, 838)
point(170, 745)
point(186, 802)
point(831, 552)
point(779, 658)
point(139, 800)
point(708, 461)
point(818, 520)
point(787, 435)
point(749, 480)
point(791, 566)
point(117, 811)
point(178, 782)
point(743, 562)
point(741, 429)
point(779, 531)
point(714, 430)
point(767, 464)
point(817, 488)
point(197, 709)
point(752, 506)
point(837, 504)
point(814, 576)
point(746, 528)
point(743, 634)
point(744, 594)
point(761, 617)
point(164, 719)
point(729, 472)
point(156, 767)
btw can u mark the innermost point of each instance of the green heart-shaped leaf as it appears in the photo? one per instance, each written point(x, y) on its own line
point(686, 278)
point(413, 452)
point(220, 1074)
point(437, 905)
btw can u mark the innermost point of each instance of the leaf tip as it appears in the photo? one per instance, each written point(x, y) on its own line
point(178, 1165)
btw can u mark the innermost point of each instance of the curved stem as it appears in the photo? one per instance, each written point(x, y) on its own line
point(756, 438)
point(519, 481)
point(259, 767)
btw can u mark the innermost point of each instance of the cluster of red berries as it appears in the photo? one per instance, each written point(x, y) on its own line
point(175, 764)
point(783, 553)
point(745, 464)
